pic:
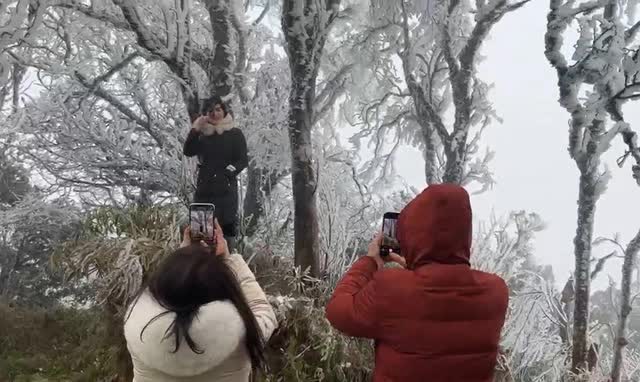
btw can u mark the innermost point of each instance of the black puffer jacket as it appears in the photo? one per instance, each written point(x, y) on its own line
point(216, 184)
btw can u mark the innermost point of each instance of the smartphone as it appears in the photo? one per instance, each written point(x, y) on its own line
point(201, 221)
point(389, 235)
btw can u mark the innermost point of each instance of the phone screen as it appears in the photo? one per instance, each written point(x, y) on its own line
point(201, 220)
point(389, 234)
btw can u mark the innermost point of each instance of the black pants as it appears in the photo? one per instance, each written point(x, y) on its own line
point(230, 233)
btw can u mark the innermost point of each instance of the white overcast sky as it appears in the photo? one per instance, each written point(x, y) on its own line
point(532, 166)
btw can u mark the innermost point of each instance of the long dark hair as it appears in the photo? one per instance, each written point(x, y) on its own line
point(191, 277)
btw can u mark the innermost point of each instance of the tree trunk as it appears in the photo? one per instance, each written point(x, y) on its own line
point(260, 185)
point(303, 179)
point(305, 31)
point(18, 75)
point(454, 169)
point(8, 262)
point(253, 208)
point(566, 304)
point(587, 200)
point(220, 70)
point(456, 148)
point(430, 155)
point(625, 306)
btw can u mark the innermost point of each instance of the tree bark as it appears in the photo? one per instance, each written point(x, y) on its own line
point(18, 74)
point(219, 71)
point(305, 35)
point(8, 262)
point(304, 181)
point(260, 184)
point(587, 200)
point(253, 207)
point(430, 155)
point(454, 168)
point(628, 266)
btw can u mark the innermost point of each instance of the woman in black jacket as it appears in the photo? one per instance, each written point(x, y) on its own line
point(222, 152)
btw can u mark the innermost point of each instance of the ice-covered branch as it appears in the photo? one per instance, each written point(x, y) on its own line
point(630, 138)
point(556, 26)
point(94, 87)
point(631, 33)
point(333, 88)
point(101, 15)
point(487, 19)
point(424, 109)
point(111, 72)
point(18, 24)
point(145, 37)
point(175, 54)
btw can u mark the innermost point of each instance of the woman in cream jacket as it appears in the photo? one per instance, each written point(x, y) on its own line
point(202, 318)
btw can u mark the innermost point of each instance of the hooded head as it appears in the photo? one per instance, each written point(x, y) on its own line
point(436, 227)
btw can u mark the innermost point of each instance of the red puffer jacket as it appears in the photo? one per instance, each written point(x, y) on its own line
point(438, 320)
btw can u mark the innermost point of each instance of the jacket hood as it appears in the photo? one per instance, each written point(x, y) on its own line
point(217, 329)
point(436, 227)
point(226, 124)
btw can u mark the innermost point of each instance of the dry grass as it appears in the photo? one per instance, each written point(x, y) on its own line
point(117, 251)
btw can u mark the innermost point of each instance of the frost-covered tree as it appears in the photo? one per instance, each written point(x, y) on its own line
point(265, 118)
point(615, 307)
point(136, 71)
point(626, 301)
point(349, 209)
point(306, 25)
point(437, 45)
point(531, 345)
point(18, 21)
point(30, 233)
point(193, 38)
point(601, 76)
point(122, 79)
point(31, 226)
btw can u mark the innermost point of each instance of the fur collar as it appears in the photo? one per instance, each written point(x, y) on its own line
point(225, 124)
point(217, 329)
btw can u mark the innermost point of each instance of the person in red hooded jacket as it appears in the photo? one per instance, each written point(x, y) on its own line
point(435, 319)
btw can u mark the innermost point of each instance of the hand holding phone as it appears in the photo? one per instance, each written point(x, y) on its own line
point(375, 252)
point(201, 222)
point(389, 234)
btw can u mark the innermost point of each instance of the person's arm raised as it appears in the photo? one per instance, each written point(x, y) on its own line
point(253, 293)
point(352, 309)
point(256, 298)
point(192, 143)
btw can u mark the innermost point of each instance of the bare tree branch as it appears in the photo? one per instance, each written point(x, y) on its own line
point(262, 15)
point(630, 34)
